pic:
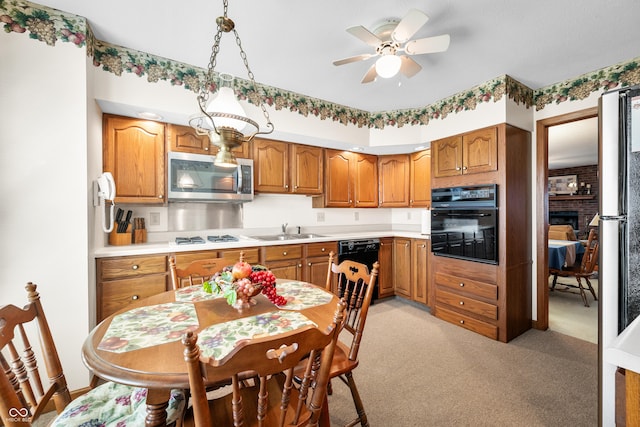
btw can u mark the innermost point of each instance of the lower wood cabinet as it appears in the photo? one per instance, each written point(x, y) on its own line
point(315, 264)
point(284, 261)
point(419, 269)
point(385, 272)
point(402, 266)
point(123, 280)
point(466, 294)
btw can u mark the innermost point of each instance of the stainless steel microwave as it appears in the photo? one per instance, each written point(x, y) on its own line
point(194, 177)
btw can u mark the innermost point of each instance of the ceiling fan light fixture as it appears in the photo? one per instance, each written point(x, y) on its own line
point(388, 66)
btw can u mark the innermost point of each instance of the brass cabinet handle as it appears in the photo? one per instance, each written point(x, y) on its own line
point(135, 267)
point(160, 196)
point(284, 252)
point(461, 302)
point(462, 322)
point(135, 297)
point(461, 284)
point(323, 249)
point(309, 264)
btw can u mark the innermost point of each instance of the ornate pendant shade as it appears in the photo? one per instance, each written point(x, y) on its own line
point(221, 116)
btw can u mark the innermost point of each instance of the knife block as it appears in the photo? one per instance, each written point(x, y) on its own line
point(139, 236)
point(119, 239)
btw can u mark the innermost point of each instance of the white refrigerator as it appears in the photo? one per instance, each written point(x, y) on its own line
point(618, 229)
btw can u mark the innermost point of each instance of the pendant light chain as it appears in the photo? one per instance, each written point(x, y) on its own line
point(224, 24)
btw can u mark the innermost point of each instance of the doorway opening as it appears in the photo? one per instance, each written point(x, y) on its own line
point(542, 212)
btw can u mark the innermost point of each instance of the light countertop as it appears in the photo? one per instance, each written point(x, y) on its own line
point(625, 349)
point(244, 242)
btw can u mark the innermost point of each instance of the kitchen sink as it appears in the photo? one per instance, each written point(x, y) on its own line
point(272, 237)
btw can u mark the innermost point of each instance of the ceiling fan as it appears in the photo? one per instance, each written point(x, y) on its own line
point(392, 37)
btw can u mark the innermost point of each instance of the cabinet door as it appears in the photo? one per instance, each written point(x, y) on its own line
point(447, 157)
point(385, 274)
point(420, 180)
point(114, 295)
point(480, 151)
point(402, 266)
point(271, 166)
point(393, 187)
point(133, 151)
point(315, 270)
point(419, 270)
point(288, 269)
point(185, 139)
point(365, 181)
point(306, 169)
point(338, 186)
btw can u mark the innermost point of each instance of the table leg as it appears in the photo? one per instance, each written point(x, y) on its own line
point(157, 404)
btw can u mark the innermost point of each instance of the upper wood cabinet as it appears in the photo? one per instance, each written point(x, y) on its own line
point(473, 152)
point(185, 139)
point(394, 184)
point(282, 167)
point(351, 180)
point(420, 179)
point(133, 151)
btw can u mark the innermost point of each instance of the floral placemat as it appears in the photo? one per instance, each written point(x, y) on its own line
point(301, 295)
point(219, 340)
point(194, 293)
point(148, 326)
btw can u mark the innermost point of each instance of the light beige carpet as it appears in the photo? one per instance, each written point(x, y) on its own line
point(416, 370)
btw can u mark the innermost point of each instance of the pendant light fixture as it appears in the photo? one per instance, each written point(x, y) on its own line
point(221, 116)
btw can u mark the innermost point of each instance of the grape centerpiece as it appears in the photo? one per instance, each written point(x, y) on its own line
point(242, 281)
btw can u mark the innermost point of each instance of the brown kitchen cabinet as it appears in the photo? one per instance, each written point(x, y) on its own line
point(351, 180)
point(420, 249)
point(284, 261)
point(466, 293)
point(133, 151)
point(122, 280)
point(402, 267)
point(394, 180)
point(385, 273)
point(469, 153)
point(185, 139)
point(420, 179)
point(251, 255)
point(282, 167)
point(506, 312)
point(316, 261)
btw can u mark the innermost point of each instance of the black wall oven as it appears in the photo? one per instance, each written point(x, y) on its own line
point(464, 223)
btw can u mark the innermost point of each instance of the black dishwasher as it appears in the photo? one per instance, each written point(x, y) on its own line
point(364, 251)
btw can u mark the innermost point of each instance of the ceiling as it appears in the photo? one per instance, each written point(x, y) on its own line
point(291, 44)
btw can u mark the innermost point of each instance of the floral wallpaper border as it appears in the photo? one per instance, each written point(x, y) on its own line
point(50, 26)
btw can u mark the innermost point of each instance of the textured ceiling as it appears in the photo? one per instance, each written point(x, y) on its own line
point(291, 44)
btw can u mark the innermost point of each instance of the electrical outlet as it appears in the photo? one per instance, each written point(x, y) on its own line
point(154, 218)
point(319, 216)
point(409, 215)
point(356, 216)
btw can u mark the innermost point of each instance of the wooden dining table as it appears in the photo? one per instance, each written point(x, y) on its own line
point(141, 346)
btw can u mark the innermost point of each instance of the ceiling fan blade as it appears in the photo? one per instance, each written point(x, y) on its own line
point(365, 35)
point(409, 67)
point(409, 25)
point(353, 59)
point(428, 45)
point(370, 75)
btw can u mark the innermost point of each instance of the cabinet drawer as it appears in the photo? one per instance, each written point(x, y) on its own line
point(462, 284)
point(251, 255)
point(117, 294)
point(114, 268)
point(469, 323)
point(274, 253)
point(321, 249)
point(183, 259)
point(464, 303)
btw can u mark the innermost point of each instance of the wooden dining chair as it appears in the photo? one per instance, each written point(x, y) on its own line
point(353, 282)
point(270, 399)
point(197, 272)
point(584, 270)
point(24, 392)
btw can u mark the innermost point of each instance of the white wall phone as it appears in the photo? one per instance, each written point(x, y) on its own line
point(105, 189)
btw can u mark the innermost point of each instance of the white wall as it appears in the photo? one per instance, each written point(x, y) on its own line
point(43, 187)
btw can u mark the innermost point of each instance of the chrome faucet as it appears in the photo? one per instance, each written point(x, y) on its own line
point(284, 228)
point(299, 229)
